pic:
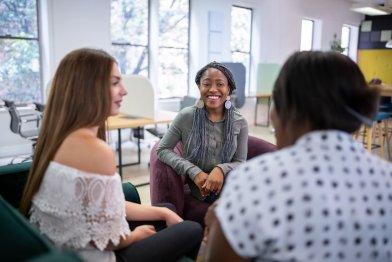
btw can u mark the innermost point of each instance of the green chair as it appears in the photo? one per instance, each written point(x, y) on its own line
point(130, 193)
point(20, 241)
point(12, 181)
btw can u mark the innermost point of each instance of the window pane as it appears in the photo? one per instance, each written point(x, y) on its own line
point(129, 21)
point(132, 59)
point(173, 23)
point(240, 29)
point(306, 35)
point(173, 73)
point(345, 41)
point(241, 33)
point(20, 70)
point(18, 18)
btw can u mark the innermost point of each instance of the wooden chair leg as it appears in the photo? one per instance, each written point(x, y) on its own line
point(369, 138)
point(388, 134)
point(381, 136)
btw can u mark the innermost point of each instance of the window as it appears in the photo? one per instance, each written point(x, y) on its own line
point(130, 27)
point(345, 40)
point(20, 72)
point(129, 32)
point(241, 33)
point(173, 48)
point(307, 35)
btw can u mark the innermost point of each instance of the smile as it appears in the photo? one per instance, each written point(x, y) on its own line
point(213, 97)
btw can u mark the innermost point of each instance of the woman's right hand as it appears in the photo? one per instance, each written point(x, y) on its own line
point(199, 180)
point(142, 232)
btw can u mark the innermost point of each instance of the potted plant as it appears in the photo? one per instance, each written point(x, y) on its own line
point(336, 45)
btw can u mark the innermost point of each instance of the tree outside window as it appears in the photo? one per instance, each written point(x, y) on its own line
point(130, 25)
point(173, 48)
point(20, 72)
point(129, 32)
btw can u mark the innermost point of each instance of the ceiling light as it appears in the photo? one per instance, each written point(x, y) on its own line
point(371, 9)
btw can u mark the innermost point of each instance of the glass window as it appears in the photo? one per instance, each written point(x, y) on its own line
point(129, 32)
point(173, 48)
point(20, 72)
point(307, 35)
point(241, 33)
point(345, 40)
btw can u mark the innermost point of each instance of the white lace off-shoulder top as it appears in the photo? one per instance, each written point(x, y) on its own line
point(75, 209)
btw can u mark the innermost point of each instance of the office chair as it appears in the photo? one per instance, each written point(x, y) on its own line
point(39, 107)
point(19, 122)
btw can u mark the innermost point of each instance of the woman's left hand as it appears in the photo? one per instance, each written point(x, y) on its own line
point(214, 181)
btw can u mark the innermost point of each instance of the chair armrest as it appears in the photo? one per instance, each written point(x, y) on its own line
point(130, 193)
point(257, 146)
point(166, 186)
point(58, 256)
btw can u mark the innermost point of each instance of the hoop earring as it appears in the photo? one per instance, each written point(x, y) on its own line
point(200, 104)
point(228, 103)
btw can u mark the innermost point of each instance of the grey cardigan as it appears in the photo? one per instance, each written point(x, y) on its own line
point(180, 130)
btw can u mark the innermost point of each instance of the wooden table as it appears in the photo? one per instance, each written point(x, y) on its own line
point(122, 121)
point(259, 97)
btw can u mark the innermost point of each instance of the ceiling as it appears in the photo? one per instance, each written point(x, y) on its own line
point(368, 1)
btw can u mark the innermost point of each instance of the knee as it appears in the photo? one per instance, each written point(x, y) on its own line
point(193, 229)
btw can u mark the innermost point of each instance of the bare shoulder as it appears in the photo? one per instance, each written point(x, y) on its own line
point(84, 151)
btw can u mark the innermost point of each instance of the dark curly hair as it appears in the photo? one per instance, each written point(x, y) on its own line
point(220, 67)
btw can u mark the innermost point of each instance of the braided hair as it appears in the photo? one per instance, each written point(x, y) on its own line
point(197, 138)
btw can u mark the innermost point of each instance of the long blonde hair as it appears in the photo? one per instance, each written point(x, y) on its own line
point(79, 97)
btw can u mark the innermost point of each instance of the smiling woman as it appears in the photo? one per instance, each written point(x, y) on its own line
point(73, 193)
point(213, 133)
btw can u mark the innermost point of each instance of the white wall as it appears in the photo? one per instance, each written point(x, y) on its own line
point(73, 24)
point(70, 24)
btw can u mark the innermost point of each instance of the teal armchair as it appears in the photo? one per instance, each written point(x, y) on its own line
point(20, 241)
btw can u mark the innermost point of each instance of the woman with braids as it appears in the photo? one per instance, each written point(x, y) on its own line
point(213, 133)
point(74, 195)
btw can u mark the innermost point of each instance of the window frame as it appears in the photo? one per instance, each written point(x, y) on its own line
point(154, 62)
point(128, 44)
point(249, 53)
point(312, 40)
point(39, 45)
point(165, 47)
point(347, 47)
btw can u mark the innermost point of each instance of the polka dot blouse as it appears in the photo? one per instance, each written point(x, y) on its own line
point(323, 199)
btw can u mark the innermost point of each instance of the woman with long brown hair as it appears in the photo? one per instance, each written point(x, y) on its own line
point(73, 193)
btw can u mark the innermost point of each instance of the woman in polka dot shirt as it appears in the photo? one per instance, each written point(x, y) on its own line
point(322, 197)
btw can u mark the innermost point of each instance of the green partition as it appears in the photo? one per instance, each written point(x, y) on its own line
point(266, 76)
